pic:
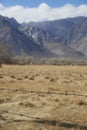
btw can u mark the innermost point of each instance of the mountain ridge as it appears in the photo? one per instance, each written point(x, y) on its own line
point(66, 38)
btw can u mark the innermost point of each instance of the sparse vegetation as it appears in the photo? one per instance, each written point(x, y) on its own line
point(23, 60)
point(81, 102)
point(61, 61)
point(24, 107)
point(6, 55)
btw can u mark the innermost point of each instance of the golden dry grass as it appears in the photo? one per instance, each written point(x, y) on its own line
point(55, 112)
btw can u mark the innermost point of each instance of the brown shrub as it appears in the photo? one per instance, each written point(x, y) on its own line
point(2, 100)
point(26, 104)
point(19, 78)
point(12, 76)
point(31, 78)
point(81, 102)
point(52, 80)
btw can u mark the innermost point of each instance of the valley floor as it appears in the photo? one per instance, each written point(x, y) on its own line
point(43, 97)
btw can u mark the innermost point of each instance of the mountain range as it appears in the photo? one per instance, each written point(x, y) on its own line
point(65, 38)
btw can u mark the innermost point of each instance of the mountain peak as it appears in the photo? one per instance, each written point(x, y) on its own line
point(58, 38)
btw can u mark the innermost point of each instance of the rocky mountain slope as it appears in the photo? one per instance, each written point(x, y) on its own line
point(69, 33)
point(59, 38)
point(18, 41)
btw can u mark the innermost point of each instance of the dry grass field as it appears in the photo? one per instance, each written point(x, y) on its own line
point(43, 97)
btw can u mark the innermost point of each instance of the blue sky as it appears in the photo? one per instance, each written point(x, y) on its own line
point(35, 3)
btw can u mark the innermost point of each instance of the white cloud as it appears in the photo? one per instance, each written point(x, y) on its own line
point(42, 12)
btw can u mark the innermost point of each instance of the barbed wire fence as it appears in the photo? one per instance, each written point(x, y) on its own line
point(47, 93)
point(38, 119)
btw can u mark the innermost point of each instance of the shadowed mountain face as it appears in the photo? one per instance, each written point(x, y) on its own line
point(59, 38)
point(18, 41)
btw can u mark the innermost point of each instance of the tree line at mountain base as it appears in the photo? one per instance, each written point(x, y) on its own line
point(7, 57)
point(28, 60)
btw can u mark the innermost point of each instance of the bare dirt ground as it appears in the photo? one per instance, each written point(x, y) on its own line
point(43, 97)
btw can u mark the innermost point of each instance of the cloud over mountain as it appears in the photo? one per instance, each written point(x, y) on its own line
point(42, 12)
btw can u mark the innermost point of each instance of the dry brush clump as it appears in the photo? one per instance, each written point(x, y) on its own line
point(27, 82)
point(19, 78)
point(32, 77)
point(26, 104)
point(81, 102)
point(1, 76)
point(2, 101)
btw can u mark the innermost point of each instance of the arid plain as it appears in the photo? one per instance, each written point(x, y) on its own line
point(41, 97)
